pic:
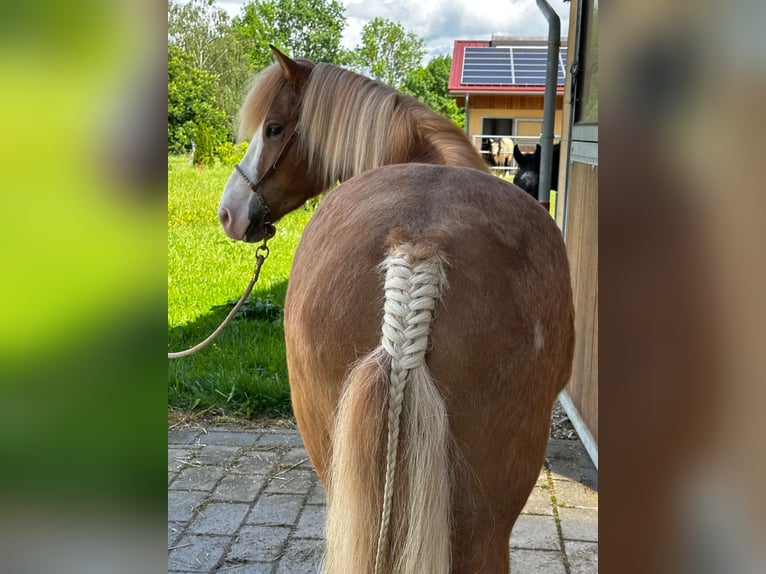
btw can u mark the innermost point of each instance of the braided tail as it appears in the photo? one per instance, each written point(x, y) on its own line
point(389, 491)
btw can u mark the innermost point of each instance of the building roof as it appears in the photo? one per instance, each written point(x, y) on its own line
point(504, 65)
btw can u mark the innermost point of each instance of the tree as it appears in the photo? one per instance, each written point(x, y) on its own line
point(191, 102)
point(388, 52)
point(204, 32)
point(429, 85)
point(303, 28)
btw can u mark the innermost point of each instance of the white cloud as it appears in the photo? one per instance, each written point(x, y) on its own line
point(440, 22)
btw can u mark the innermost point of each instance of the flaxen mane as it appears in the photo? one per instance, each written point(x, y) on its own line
point(364, 125)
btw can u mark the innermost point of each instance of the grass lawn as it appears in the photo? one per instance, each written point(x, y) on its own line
point(243, 373)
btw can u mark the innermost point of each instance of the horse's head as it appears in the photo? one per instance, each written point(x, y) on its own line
point(528, 175)
point(271, 180)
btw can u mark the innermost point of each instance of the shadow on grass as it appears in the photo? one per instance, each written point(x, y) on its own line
point(244, 371)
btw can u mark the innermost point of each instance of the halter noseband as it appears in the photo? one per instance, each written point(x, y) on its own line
point(255, 186)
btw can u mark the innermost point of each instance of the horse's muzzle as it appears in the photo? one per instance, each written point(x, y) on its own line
point(259, 229)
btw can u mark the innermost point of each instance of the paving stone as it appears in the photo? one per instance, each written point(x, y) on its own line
point(174, 531)
point(297, 455)
point(287, 438)
point(219, 518)
point(303, 556)
point(198, 478)
point(217, 455)
point(246, 508)
point(579, 524)
point(183, 436)
point(539, 502)
point(276, 510)
point(251, 568)
point(229, 438)
point(256, 462)
point(565, 449)
point(294, 482)
point(237, 487)
point(177, 457)
point(182, 504)
point(575, 494)
point(525, 561)
point(319, 495)
point(258, 544)
point(536, 532)
point(568, 460)
point(583, 557)
point(589, 477)
point(199, 553)
point(311, 523)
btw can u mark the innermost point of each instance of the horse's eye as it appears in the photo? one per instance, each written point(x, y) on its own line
point(273, 131)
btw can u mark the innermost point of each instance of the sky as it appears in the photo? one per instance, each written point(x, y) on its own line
point(440, 22)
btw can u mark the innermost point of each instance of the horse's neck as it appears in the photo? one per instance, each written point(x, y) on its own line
point(439, 141)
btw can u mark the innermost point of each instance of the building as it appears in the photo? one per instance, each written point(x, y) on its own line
point(501, 85)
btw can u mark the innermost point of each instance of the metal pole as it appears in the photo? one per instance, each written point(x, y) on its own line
point(467, 113)
point(549, 101)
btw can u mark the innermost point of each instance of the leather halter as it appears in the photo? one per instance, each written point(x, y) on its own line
point(256, 185)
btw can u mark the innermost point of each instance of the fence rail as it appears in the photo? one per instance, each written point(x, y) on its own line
point(526, 144)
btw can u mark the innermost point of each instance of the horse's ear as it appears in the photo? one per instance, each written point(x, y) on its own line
point(517, 155)
point(294, 72)
point(538, 149)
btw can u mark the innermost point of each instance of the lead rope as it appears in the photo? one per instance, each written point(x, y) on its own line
point(261, 253)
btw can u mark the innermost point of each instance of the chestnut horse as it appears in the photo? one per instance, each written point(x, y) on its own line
point(428, 319)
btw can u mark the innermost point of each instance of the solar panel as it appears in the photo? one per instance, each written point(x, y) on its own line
point(487, 66)
point(509, 65)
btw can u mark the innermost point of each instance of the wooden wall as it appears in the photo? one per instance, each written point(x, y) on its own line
point(582, 248)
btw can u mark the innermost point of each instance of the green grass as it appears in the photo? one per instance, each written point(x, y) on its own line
point(243, 373)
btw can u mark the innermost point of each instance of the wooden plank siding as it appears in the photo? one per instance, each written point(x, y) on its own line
point(582, 248)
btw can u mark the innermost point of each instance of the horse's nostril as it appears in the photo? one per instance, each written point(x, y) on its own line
point(224, 216)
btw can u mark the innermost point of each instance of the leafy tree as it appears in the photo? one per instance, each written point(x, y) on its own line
point(388, 52)
point(191, 102)
point(302, 28)
point(204, 32)
point(429, 85)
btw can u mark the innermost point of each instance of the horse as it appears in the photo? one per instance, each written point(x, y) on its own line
point(501, 149)
point(428, 318)
point(486, 151)
point(528, 175)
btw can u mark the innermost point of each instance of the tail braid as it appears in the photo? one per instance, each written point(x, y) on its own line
point(411, 292)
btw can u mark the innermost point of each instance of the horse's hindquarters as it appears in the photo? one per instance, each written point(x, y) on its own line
point(500, 344)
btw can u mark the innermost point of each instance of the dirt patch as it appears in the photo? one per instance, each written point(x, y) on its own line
point(216, 417)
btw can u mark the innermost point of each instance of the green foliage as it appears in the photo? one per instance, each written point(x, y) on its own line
point(301, 28)
point(203, 151)
point(388, 52)
point(191, 102)
point(230, 154)
point(244, 371)
point(204, 32)
point(429, 85)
